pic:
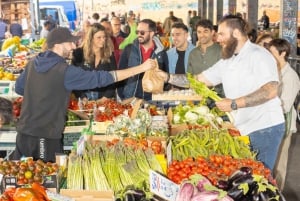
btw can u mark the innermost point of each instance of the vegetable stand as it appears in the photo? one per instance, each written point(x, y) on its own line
point(202, 147)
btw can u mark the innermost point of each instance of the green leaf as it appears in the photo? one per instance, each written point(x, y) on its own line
point(244, 187)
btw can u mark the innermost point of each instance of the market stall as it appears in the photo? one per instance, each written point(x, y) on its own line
point(175, 147)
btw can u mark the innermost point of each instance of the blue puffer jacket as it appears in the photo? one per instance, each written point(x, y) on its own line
point(133, 85)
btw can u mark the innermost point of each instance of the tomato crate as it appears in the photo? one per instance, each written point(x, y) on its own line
point(49, 181)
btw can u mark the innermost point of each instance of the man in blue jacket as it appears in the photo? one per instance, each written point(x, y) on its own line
point(146, 46)
point(46, 85)
point(178, 55)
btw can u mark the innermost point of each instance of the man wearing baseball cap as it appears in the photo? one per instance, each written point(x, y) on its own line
point(46, 85)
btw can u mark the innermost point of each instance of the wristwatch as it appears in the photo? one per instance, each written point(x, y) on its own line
point(233, 105)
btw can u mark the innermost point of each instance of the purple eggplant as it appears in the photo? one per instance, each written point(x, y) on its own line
point(236, 193)
point(244, 179)
point(246, 170)
point(243, 171)
point(186, 192)
point(267, 195)
point(137, 194)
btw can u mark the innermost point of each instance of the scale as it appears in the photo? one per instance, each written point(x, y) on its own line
point(7, 89)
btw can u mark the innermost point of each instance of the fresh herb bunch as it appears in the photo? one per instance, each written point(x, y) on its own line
point(201, 89)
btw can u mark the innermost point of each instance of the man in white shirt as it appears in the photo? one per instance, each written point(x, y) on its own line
point(250, 80)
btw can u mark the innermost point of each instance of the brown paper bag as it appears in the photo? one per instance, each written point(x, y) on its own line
point(151, 82)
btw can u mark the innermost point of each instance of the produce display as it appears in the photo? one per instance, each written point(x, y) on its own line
point(99, 169)
point(17, 103)
point(196, 114)
point(7, 76)
point(206, 142)
point(242, 185)
point(37, 45)
point(139, 127)
point(207, 160)
point(29, 171)
point(216, 167)
point(201, 89)
point(102, 111)
point(199, 188)
point(245, 185)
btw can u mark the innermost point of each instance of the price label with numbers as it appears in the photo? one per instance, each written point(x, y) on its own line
point(162, 186)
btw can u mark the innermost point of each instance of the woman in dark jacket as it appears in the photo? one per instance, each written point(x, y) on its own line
point(96, 53)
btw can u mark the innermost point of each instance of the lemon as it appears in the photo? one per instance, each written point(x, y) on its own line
point(10, 76)
point(28, 174)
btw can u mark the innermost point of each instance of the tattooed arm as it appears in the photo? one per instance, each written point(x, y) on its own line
point(260, 96)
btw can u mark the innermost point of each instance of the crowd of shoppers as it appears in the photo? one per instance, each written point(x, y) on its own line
point(256, 78)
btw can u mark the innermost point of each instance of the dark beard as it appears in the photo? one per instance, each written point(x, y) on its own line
point(229, 48)
point(145, 40)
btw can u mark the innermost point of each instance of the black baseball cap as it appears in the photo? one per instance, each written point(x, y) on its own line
point(60, 35)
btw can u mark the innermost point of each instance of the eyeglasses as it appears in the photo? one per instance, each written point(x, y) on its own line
point(141, 32)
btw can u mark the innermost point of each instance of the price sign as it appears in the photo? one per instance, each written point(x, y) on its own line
point(162, 186)
point(80, 145)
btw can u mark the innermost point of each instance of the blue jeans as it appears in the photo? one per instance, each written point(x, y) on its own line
point(267, 142)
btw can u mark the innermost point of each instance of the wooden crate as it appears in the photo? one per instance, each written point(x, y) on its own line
point(12, 10)
point(88, 195)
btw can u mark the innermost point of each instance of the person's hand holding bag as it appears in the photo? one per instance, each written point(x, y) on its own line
point(152, 82)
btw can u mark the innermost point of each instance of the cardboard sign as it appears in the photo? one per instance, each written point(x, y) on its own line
point(162, 186)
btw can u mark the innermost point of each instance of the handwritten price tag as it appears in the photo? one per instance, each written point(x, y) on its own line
point(80, 145)
point(162, 186)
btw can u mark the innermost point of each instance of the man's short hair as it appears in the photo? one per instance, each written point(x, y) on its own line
point(235, 22)
point(205, 23)
point(151, 24)
point(281, 45)
point(47, 23)
point(180, 25)
point(96, 16)
point(105, 19)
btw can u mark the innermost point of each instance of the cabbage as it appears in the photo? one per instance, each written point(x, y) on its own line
point(201, 110)
point(191, 117)
point(177, 119)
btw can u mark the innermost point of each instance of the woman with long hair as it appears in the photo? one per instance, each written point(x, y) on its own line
point(96, 53)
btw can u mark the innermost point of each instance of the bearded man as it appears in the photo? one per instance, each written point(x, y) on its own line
point(145, 46)
point(250, 80)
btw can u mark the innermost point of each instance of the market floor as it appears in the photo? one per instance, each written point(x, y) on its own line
point(291, 189)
